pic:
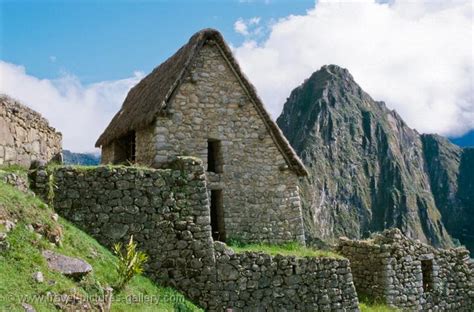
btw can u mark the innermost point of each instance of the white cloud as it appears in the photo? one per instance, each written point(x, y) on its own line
point(241, 27)
point(248, 27)
point(80, 112)
point(415, 56)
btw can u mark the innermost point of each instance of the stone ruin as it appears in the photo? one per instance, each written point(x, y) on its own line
point(25, 135)
point(409, 274)
point(168, 213)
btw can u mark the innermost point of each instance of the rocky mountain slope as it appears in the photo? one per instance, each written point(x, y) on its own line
point(451, 172)
point(368, 169)
point(85, 159)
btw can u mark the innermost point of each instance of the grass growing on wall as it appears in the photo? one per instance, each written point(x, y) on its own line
point(23, 258)
point(287, 249)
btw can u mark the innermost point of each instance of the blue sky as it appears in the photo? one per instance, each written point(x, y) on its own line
point(74, 61)
point(104, 40)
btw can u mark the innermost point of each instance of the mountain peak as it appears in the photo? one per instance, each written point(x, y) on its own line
point(331, 72)
point(362, 159)
point(335, 70)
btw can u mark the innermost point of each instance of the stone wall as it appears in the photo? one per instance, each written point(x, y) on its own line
point(145, 146)
point(259, 282)
point(167, 211)
point(25, 135)
point(411, 275)
point(260, 194)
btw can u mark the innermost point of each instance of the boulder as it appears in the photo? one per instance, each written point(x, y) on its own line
point(72, 267)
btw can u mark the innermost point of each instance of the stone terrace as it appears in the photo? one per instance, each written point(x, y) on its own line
point(167, 211)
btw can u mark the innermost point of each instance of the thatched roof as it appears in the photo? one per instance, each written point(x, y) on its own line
point(149, 97)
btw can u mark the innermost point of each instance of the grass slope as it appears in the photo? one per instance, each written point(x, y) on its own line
point(23, 258)
point(288, 249)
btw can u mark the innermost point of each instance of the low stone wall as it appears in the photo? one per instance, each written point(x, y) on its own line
point(167, 212)
point(411, 275)
point(259, 282)
point(25, 135)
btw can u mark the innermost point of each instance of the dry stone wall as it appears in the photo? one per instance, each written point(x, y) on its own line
point(259, 282)
point(167, 211)
point(25, 135)
point(411, 275)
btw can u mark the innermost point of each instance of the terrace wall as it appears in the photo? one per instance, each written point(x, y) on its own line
point(167, 212)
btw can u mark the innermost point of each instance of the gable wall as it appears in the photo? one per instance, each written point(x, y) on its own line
point(261, 202)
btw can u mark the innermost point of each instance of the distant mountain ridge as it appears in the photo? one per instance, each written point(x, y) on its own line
point(369, 170)
point(86, 159)
point(466, 140)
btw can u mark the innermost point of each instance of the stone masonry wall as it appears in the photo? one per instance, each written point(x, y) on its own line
point(260, 194)
point(25, 135)
point(393, 264)
point(145, 151)
point(167, 211)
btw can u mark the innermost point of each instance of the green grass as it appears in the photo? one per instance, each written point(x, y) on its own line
point(23, 258)
point(365, 307)
point(287, 249)
point(370, 305)
point(13, 169)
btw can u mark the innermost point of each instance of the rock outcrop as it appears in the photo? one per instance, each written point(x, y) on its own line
point(451, 172)
point(367, 167)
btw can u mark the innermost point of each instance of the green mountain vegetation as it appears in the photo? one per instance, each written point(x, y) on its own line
point(369, 170)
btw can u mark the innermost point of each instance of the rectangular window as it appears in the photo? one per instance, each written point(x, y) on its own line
point(217, 216)
point(214, 156)
point(427, 271)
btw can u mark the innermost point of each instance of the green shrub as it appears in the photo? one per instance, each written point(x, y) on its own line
point(131, 262)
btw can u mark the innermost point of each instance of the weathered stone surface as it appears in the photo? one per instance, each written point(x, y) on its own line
point(68, 266)
point(15, 180)
point(25, 135)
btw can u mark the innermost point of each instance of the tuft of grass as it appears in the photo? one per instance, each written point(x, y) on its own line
point(287, 249)
point(13, 169)
point(24, 258)
point(370, 305)
point(366, 307)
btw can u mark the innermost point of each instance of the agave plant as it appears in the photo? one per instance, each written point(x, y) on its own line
point(131, 262)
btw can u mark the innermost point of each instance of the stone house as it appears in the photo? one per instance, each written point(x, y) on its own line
point(25, 135)
point(409, 274)
point(199, 103)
